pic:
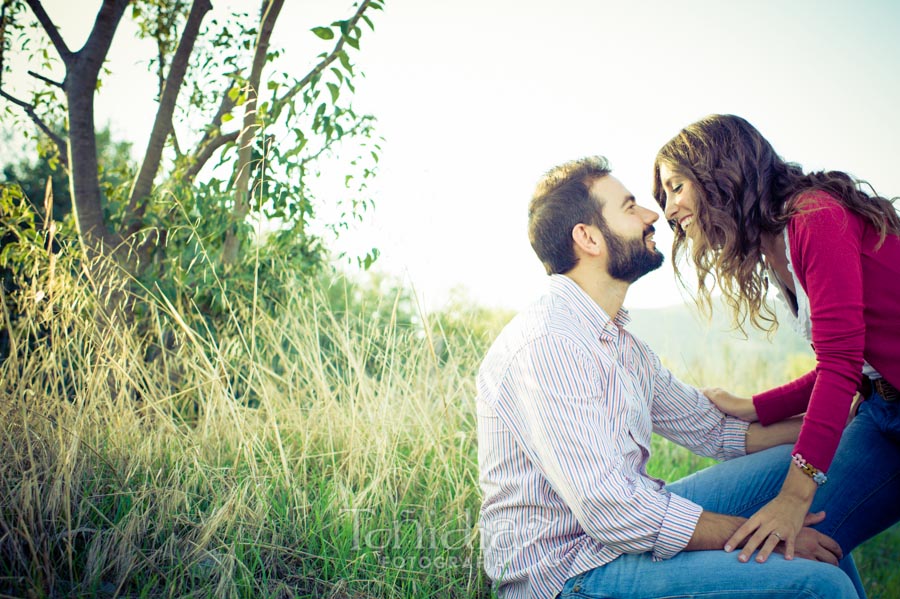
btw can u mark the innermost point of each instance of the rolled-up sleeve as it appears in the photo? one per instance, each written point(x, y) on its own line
point(678, 527)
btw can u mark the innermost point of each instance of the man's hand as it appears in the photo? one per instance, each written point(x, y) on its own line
point(854, 407)
point(739, 407)
point(811, 544)
point(712, 529)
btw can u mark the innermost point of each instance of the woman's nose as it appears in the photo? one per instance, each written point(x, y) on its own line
point(671, 208)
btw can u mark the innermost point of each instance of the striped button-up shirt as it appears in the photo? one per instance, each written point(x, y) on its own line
point(567, 401)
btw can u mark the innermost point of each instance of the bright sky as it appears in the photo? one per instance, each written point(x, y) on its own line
point(476, 99)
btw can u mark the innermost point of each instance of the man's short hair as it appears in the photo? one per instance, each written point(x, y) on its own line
point(562, 200)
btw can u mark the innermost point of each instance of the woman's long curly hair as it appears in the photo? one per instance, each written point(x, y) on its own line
point(744, 190)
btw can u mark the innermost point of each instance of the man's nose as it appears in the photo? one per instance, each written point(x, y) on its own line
point(650, 216)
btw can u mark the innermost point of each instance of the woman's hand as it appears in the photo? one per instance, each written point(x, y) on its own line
point(739, 407)
point(779, 521)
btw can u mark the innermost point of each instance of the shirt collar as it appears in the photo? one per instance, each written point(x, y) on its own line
point(586, 309)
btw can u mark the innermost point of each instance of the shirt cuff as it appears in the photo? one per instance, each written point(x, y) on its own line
point(734, 438)
point(677, 527)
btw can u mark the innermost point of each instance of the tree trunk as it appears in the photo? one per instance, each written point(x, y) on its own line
point(249, 131)
point(82, 71)
point(162, 126)
point(84, 183)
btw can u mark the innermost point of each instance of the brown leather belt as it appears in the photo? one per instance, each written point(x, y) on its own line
point(886, 390)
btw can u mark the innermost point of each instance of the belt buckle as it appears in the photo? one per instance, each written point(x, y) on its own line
point(887, 391)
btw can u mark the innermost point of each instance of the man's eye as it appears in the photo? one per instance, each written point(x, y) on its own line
point(677, 188)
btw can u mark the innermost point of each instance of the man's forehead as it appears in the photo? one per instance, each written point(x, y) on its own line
point(610, 191)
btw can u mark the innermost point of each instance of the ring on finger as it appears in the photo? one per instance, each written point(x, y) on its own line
point(776, 535)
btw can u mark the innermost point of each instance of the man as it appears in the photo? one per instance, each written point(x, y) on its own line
point(567, 401)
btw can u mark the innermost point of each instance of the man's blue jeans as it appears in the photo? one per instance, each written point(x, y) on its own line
point(860, 500)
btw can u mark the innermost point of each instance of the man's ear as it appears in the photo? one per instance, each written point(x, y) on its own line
point(588, 239)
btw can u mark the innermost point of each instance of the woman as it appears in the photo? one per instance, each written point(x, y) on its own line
point(747, 218)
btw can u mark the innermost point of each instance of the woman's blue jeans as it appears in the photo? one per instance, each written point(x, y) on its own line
point(860, 500)
point(862, 495)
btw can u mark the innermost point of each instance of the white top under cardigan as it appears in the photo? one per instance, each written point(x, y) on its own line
point(800, 318)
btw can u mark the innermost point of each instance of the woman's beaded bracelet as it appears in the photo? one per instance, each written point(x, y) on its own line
point(819, 477)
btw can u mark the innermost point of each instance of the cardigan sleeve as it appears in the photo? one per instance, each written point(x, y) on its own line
point(783, 402)
point(825, 243)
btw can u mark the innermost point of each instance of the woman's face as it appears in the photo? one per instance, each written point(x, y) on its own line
point(682, 198)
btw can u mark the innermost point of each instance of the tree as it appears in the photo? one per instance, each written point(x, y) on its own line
point(31, 173)
point(267, 180)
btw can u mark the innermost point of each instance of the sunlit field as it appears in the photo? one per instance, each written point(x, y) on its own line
point(324, 446)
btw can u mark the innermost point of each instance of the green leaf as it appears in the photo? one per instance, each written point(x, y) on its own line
point(345, 62)
point(370, 258)
point(335, 91)
point(227, 117)
point(324, 32)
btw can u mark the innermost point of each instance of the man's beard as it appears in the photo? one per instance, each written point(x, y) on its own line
point(630, 259)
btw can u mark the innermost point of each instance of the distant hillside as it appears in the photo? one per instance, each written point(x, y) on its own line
point(709, 354)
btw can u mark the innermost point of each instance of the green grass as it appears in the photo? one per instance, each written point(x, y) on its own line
point(250, 463)
point(877, 563)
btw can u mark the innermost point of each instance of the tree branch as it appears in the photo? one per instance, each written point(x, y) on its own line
point(224, 108)
point(175, 145)
point(160, 67)
point(332, 56)
point(46, 79)
point(56, 139)
point(162, 125)
point(212, 138)
point(327, 145)
point(4, 23)
point(52, 31)
point(270, 12)
point(89, 60)
point(203, 154)
point(165, 21)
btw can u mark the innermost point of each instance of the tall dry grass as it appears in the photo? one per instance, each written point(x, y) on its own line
point(242, 462)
